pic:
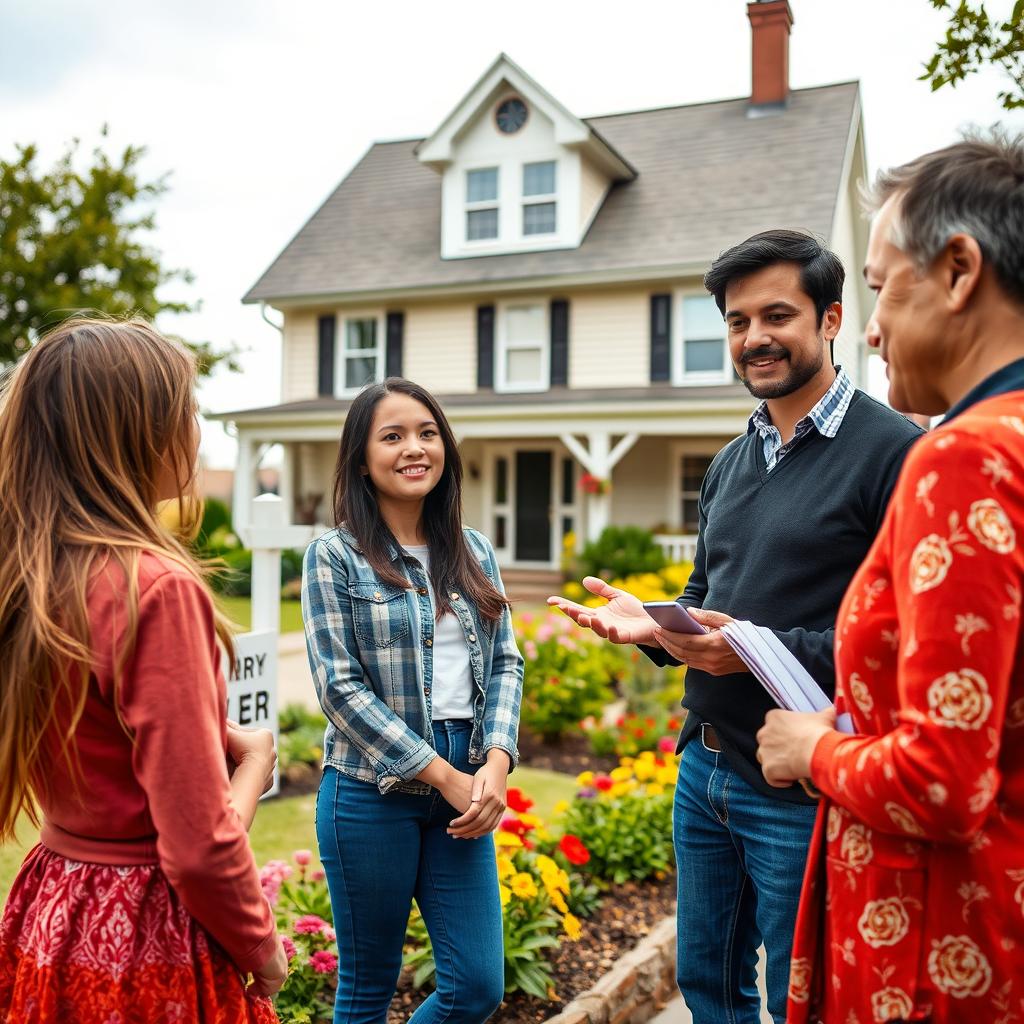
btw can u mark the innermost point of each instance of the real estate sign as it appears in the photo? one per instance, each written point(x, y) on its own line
point(252, 685)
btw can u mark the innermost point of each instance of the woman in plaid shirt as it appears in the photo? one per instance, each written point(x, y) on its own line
point(415, 664)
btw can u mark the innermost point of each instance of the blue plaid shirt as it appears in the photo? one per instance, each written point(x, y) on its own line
point(826, 417)
point(370, 652)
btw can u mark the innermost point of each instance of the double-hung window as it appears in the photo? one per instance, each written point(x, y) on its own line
point(360, 356)
point(540, 208)
point(523, 352)
point(482, 204)
point(692, 473)
point(704, 351)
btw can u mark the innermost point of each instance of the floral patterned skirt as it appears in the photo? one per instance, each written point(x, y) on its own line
point(98, 944)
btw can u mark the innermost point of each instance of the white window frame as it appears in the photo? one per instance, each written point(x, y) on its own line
point(502, 347)
point(539, 199)
point(700, 447)
point(342, 352)
point(702, 377)
point(481, 204)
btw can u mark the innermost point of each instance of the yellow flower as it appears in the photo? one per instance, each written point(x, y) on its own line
point(654, 789)
point(648, 756)
point(505, 866)
point(507, 839)
point(621, 774)
point(572, 926)
point(505, 893)
point(530, 819)
point(524, 886)
point(546, 864)
point(562, 806)
point(666, 776)
point(558, 901)
point(644, 770)
point(541, 834)
point(625, 761)
point(584, 779)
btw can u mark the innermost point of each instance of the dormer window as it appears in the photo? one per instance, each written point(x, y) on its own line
point(481, 204)
point(539, 198)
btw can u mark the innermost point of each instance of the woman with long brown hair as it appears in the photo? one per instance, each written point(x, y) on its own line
point(142, 901)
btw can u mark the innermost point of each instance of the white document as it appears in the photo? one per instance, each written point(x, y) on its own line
point(788, 683)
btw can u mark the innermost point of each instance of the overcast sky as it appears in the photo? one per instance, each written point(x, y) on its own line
point(259, 109)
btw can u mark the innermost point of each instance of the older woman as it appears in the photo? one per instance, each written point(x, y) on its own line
point(913, 900)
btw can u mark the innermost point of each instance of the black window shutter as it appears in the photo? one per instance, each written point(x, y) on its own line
point(485, 347)
point(393, 358)
point(326, 328)
point(559, 343)
point(661, 337)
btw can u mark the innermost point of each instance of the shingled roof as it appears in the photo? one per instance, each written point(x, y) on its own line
point(708, 175)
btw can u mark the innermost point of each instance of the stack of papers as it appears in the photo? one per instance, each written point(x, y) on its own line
point(788, 683)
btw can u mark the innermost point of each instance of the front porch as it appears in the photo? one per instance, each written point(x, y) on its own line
point(539, 481)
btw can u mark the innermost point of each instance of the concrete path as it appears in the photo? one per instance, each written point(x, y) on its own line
point(677, 1013)
point(294, 683)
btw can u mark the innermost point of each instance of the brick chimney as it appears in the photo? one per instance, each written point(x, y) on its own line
point(770, 22)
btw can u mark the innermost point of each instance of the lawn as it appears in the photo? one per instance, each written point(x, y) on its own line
point(282, 826)
point(239, 609)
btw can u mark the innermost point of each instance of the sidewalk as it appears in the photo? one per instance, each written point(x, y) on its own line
point(294, 683)
point(677, 1013)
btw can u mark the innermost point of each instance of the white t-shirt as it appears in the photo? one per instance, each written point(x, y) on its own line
point(453, 678)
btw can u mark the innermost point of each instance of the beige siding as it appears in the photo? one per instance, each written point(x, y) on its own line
point(593, 186)
point(849, 341)
point(299, 357)
point(473, 455)
point(439, 349)
point(642, 484)
point(608, 339)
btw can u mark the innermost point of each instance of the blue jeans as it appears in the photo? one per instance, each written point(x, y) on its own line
point(740, 864)
point(381, 852)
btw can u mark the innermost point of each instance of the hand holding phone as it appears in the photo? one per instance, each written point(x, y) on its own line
point(671, 615)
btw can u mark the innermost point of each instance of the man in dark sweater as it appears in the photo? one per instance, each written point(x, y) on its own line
point(787, 513)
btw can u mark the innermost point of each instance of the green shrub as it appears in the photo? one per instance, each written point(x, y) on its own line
point(301, 736)
point(621, 551)
point(216, 519)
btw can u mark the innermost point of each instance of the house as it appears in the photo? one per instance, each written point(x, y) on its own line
point(541, 273)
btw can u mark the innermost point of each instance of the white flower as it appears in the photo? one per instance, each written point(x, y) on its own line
point(891, 1004)
point(903, 819)
point(929, 563)
point(856, 846)
point(960, 700)
point(861, 694)
point(959, 968)
point(991, 525)
point(883, 922)
point(799, 979)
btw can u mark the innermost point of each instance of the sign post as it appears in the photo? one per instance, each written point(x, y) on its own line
point(252, 679)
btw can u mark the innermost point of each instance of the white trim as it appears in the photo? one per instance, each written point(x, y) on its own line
point(342, 353)
point(502, 346)
point(680, 378)
point(708, 446)
point(476, 205)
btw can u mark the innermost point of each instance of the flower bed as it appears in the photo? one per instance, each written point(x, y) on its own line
point(561, 884)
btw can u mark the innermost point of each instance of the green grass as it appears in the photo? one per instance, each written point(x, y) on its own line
point(285, 825)
point(239, 610)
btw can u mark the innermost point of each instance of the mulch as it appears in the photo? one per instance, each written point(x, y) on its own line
point(627, 914)
point(570, 754)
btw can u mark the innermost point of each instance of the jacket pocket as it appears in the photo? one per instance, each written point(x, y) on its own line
point(380, 613)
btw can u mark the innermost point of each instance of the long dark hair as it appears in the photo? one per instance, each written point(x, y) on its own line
point(452, 565)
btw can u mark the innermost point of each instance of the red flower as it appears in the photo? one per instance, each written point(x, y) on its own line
point(673, 723)
point(603, 783)
point(574, 850)
point(649, 722)
point(638, 733)
point(620, 722)
point(516, 801)
point(667, 744)
point(515, 826)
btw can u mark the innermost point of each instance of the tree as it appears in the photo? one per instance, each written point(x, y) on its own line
point(70, 241)
point(974, 41)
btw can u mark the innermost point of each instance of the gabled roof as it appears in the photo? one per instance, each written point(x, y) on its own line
point(708, 176)
point(505, 73)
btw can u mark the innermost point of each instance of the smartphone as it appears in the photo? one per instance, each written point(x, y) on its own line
point(671, 615)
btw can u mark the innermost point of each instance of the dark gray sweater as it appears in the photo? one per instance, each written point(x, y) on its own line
point(779, 549)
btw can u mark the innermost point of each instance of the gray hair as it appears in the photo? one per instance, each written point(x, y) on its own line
point(974, 187)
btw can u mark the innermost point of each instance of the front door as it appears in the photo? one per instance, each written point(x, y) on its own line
point(533, 507)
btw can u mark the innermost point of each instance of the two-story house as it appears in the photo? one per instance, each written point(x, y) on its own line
point(541, 273)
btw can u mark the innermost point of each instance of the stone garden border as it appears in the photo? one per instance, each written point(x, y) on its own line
point(635, 989)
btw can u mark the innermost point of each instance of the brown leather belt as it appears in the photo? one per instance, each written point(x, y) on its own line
point(709, 738)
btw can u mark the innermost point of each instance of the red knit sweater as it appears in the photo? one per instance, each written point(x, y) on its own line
point(162, 794)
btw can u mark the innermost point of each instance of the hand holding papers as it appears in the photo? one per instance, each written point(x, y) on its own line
point(788, 683)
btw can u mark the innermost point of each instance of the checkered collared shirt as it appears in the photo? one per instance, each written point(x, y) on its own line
point(370, 646)
point(826, 417)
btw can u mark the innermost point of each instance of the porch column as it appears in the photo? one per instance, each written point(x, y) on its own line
point(244, 487)
point(286, 486)
point(599, 458)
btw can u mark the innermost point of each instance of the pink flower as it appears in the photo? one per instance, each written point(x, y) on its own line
point(310, 924)
point(318, 875)
point(302, 857)
point(526, 618)
point(667, 744)
point(289, 947)
point(329, 934)
point(545, 632)
point(323, 962)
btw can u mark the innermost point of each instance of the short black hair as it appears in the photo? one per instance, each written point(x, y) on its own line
point(821, 273)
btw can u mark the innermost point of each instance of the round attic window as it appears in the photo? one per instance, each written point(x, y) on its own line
point(511, 115)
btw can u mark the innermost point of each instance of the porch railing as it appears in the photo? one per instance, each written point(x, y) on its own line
point(678, 547)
